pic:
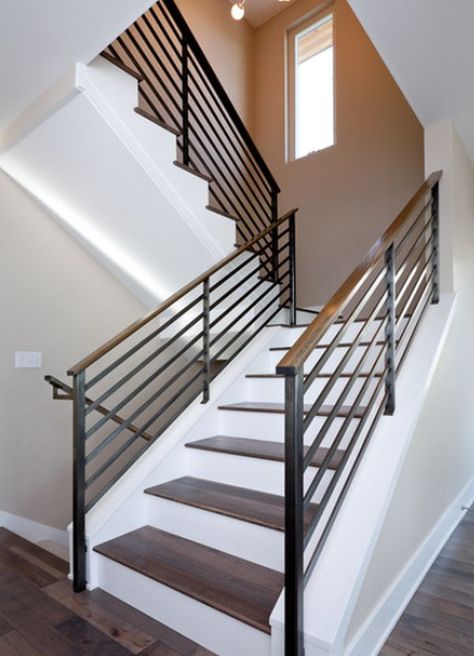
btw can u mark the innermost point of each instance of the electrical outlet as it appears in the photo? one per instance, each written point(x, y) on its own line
point(28, 360)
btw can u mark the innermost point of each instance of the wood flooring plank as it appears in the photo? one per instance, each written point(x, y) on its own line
point(14, 644)
point(241, 503)
point(88, 640)
point(234, 586)
point(96, 613)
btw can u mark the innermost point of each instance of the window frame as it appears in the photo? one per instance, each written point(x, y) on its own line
point(309, 21)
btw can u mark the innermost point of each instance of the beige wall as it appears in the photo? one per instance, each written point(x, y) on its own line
point(229, 46)
point(349, 193)
point(56, 299)
point(440, 461)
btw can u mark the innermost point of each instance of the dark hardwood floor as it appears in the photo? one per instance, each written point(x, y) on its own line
point(41, 616)
point(439, 620)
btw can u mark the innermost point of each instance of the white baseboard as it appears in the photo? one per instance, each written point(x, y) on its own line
point(375, 631)
point(32, 531)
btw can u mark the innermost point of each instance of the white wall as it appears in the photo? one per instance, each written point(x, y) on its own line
point(440, 461)
point(56, 299)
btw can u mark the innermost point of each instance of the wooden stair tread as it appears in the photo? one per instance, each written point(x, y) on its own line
point(263, 449)
point(193, 171)
point(239, 588)
point(279, 408)
point(154, 119)
point(217, 210)
point(348, 374)
point(242, 503)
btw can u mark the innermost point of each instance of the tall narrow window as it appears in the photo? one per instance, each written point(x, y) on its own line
point(311, 92)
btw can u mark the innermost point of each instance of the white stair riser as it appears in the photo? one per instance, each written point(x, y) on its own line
point(334, 360)
point(272, 390)
point(271, 426)
point(258, 544)
point(208, 627)
point(288, 336)
point(251, 473)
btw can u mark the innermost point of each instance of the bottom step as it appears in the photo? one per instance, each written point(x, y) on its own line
point(236, 587)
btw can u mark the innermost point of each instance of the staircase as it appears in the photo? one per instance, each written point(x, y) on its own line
point(216, 439)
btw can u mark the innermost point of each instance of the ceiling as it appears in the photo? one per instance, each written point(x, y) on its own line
point(258, 12)
point(39, 41)
point(428, 46)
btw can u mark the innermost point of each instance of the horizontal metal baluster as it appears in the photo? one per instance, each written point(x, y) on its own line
point(106, 465)
point(422, 236)
point(152, 28)
point(338, 472)
point(236, 135)
point(353, 317)
point(400, 243)
point(225, 296)
point(134, 350)
point(136, 413)
point(342, 397)
point(329, 524)
point(223, 178)
point(237, 303)
point(149, 64)
point(410, 277)
point(247, 326)
point(150, 83)
point(234, 271)
point(404, 348)
point(233, 172)
point(143, 385)
point(411, 297)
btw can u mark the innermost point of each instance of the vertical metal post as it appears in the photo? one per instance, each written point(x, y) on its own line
point(275, 261)
point(79, 487)
point(185, 102)
point(292, 243)
point(435, 243)
point(206, 340)
point(390, 327)
point(294, 514)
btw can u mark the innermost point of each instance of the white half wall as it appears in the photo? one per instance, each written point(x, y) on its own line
point(440, 462)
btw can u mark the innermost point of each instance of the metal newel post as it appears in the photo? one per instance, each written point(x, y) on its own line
point(275, 261)
point(390, 328)
point(79, 488)
point(185, 103)
point(292, 241)
point(206, 340)
point(294, 515)
point(435, 244)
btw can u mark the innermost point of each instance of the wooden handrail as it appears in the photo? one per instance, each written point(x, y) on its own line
point(140, 323)
point(304, 346)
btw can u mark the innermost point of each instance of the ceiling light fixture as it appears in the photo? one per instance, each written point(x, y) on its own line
point(238, 9)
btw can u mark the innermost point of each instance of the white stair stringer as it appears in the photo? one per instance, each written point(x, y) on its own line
point(109, 179)
point(126, 506)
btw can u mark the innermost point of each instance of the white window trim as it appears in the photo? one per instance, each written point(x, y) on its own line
point(290, 49)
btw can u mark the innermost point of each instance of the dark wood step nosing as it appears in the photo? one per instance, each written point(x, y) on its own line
point(154, 119)
point(244, 504)
point(193, 171)
point(116, 62)
point(236, 568)
point(217, 210)
point(260, 449)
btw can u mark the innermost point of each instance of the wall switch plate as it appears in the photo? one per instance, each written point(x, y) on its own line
point(28, 360)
